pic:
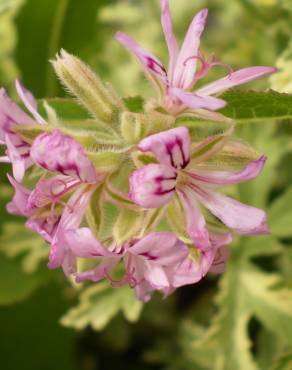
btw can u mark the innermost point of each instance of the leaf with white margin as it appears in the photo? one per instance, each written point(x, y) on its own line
point(280, 215)
point(99, 303)
point(17, 241)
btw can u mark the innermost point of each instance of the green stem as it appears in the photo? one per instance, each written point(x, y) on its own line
point(54, 44)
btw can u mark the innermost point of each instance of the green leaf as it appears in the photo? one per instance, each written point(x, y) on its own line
point(260, 246)
point(245, 292)
point(227, 338)
point(8, 68)
point(269, 300)
point(66, 108)
point(16, 285)
point(48, 27)
point(99, 304)
point(280, 215)
point(253, 106)
point(282, 80)
point(268, 346)
point(284, 362)
point(134, 104)
point(17, 241)
point(34, 323)
point(6, 5)
point(257, 191)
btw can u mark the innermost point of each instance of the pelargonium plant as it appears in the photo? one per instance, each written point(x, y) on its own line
point(133, 195)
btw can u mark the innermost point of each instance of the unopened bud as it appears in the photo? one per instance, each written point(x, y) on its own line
point(100, 100)
point(135, 126)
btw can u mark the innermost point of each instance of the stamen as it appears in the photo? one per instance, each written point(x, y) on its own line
point(114, 283)
point(206, 66)
point(200, 58)
point(55, 184)
point(224, 65)
point(128, 277)
point(52, 217)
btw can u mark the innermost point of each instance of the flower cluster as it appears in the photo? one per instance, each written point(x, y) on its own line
point(130, 196)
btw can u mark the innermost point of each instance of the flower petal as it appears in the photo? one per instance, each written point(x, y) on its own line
point(192, 271)
point(155, 275)
point(45, 226)
point(219, 239)
point(19, 202)
point(196, 224)
point(187, 273)
point(83, 244)
point(75, 208)
point(213, 260)
point(236, 78)
point(29, 101)
point(198, 101)
point(19, 157)
point(152, 186)
point(172, 45)
point(186, 62)
point(100, 272)
point(161, 248)
point(71, 219)
point(143, 291)
point(50, 190)
point(69, 264)
point(5, 159)
point(223, 178)
point(148, 60)
point(171, 147)
point(219, 262)
point(60, 153)
point(10, 111)
point(246, 220)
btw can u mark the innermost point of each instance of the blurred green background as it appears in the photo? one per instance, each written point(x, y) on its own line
point(242, 321)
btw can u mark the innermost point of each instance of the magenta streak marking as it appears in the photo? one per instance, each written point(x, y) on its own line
point(169, 150)
point(152, 64)
point(149, 256)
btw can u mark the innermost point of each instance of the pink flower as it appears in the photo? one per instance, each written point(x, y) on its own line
point(155, 185)
point(59, 153)
point(17, 151)
point(176, 85)
point(159, 261)
point(45, 207)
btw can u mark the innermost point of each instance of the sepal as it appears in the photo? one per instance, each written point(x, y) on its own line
point(127, 225)
point(233, 156)
point(176, 220)
point(134, 126)
point(28, 133)
point(118, 198)
point(106, 161)
point(99, 99)
point(95, 213)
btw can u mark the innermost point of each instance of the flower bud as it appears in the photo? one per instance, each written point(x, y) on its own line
point(100, 100)
point(136, 126)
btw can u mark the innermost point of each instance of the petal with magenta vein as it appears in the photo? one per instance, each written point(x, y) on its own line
point(236, 78)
